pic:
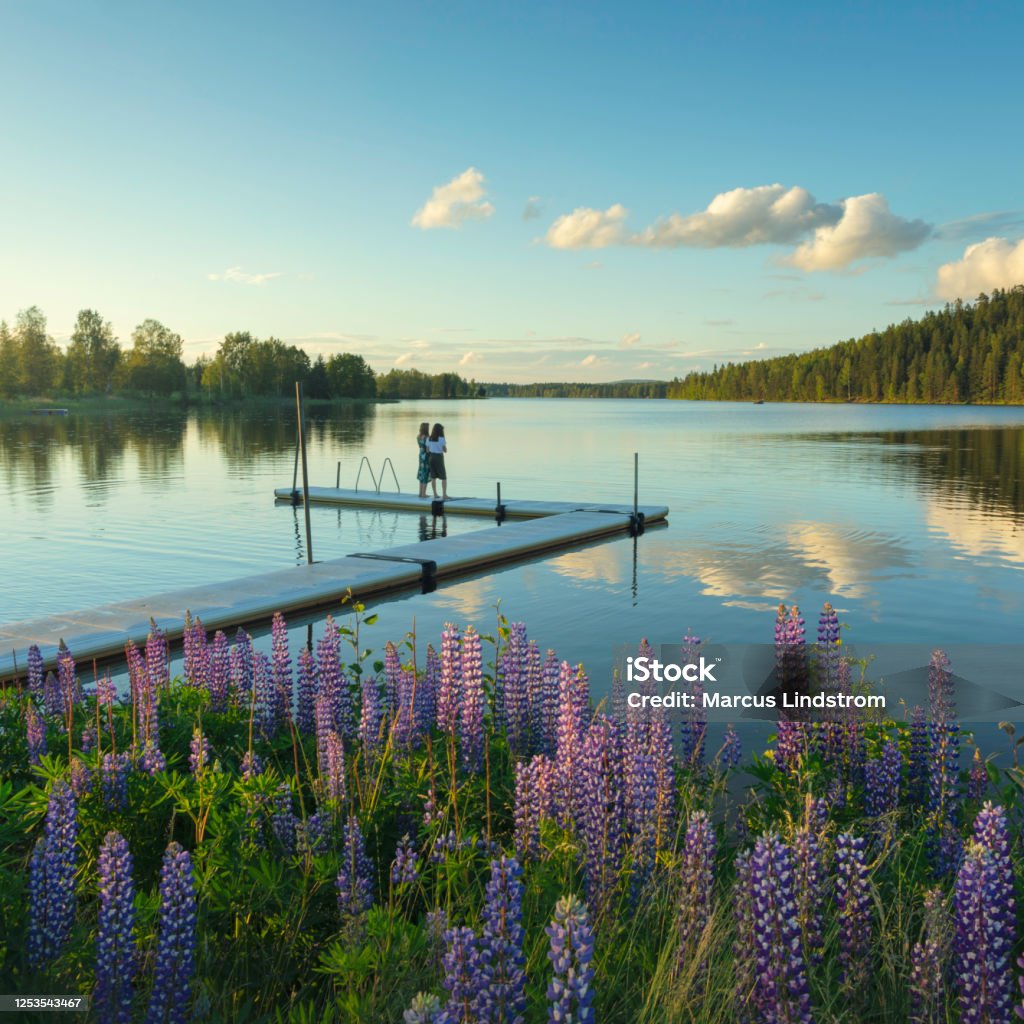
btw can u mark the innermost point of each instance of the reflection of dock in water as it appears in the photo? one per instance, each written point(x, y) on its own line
point(552, 526)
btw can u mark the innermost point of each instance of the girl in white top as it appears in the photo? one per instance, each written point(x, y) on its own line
point(436, 447)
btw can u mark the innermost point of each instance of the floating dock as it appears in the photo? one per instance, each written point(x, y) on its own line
point(103, 632)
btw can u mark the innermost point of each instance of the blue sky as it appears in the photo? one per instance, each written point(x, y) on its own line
point(517, 191)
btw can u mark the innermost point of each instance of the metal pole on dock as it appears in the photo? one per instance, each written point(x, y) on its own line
point(295, 472)
point(636, 483)
point(337, 479)
point(305, 474)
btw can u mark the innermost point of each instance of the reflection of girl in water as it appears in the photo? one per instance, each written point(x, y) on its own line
point(436, 446)
point(423, 471)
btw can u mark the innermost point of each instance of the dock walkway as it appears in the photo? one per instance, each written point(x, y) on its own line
point(103, 632)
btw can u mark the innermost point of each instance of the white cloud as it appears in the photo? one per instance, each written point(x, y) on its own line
point(459, 200)
point(240, 276)
point(629, 340)
point(585, 228)
point(994, 263)
point(742, 217)
point(405, 357)
point(533, 209)
point(591, 360)
point(866, 228)
point(469, 359)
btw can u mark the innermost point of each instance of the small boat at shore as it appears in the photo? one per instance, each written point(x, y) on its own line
point(49, 412)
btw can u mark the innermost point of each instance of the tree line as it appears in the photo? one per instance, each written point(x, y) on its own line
point(244, 366)
point(966, 352)
point(612, 389)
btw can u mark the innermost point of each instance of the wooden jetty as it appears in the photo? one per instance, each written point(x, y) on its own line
point(103, 632)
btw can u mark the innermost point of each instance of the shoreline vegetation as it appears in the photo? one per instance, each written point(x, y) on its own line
point(462, 833)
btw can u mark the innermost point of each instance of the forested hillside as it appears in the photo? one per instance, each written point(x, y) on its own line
point(963, 353)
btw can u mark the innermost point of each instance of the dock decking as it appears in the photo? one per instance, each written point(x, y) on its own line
point(103, 632)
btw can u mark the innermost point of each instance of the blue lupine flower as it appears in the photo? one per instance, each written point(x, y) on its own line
point(169, 1001)
point(354, 882)
point(116, 958)
point(306, 699)
point(503, 994)
point(853, 898)
point(405, 866)
point(570, 993)
point(471, 702)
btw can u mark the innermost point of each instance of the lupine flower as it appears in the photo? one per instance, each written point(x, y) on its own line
point(36, 675)
point(392, 676)
point(550, 703)
point(262, 696)
point(471, 702)
point(354, 882)
point(306, 700)
point(176, 944)
point(35, 733)
point(199, 752)
point(732, 748)
point(790, 744)
point(156, 657)
point(853, 898)
point(664, 781)
point(67, 677)
point(534, 800)
point(106, 692)
point(918, 771)
point(695, 723)
point(114, 773)
point(829, 641)
point(403, 728)
point(463, 976)
point(80, 778)
point(882, 781)
point(928, 959)
point(196, 657)
point(515, 697)
point(780, 973)
point(992, 831)
point(983, 940)
point(281, 663)
point(283, 820)
point(88, 738)
point(151, 760)
point(810, 890)
point(371, 718)
point(334, 769)
point(115, 933)
point(698, 885)
point(405, 866)
point(743, 951)
point(315, 834)
point(503, 994)
point(977, 781)
point(424, 1009)
point(220, 672)
point(450, 679)
point(52, 878)
point(426, 696)
point(572, 949)
point(569, 742)
point(241, 665)
point(944, 737)
point(251, 765)
point(333, 685)
point(601, 808)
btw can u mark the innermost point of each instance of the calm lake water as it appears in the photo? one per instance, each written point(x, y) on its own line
point(909, 519)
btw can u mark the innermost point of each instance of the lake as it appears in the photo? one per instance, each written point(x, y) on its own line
point(909, 519)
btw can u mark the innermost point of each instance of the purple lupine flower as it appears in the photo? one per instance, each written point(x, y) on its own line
point(199, 758)
point(917, 775)
point(106, 692)
point(80, 778)
point(114, 772)
point(371, 719)
point(405, 866)
point(326, 723)
point(570, 993)
point(315, 835)
point(220, 672)
point(156, 658)
point(992, 831)
point(471, 702)
point(251, 766)
point(151, 760)
point(262, 696)
point(333, 685)
point(52, 878)
point(283, 821)
point(240, 660)
point(449, 683)
point(392, 675)
point(426, 695)
point(35, 733)
point(745, 962)
point(36, 675)
point(176, 944)
point(463, 976)
point(810, 890)
point(732, 748)
point(116, 958)
point(144, 694)
point(196, 655)
point(790, 744)
point(550, 703)
point(695, 723)
point(780, 973)
point(983, 941)
point(53, 699)
point(928, 963)
point(829, 641)
point(641, 810)
point(305, 720)
point(534, 800)
point(67, 678)
point(853, 899)
point(515, 698)
point(944, 738)
point(882, 781)
point(977, 781)
point(601, 809)
point(698, 885)
point(88, 738)
point(354, 882)
point(334, 769)
point(533, 674)
point(660, 737)
point(281, 661)
point(791, 668)
point(569, 743)
point(503, 994)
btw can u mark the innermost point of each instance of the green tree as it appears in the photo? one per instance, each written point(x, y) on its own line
point(349, 376)
point(93, 354)
point(38, 358)
point(8, 361)
point(154, 365)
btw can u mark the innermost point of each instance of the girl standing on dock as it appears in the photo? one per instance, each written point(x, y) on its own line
point(436, 446)
point(423, 470)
